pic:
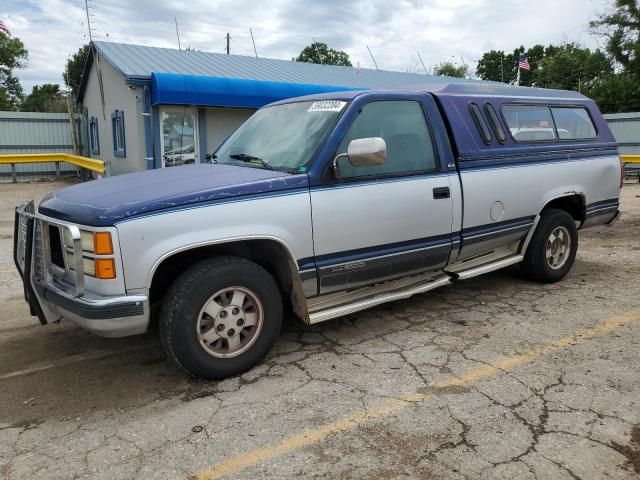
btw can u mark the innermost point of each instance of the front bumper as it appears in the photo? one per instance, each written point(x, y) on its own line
point(52, 297)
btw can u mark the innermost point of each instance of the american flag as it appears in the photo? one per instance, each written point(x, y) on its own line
point(523, 63)
point(4, 29)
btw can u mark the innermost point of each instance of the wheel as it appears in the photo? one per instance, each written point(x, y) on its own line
point(220, 317)
point(553, 247)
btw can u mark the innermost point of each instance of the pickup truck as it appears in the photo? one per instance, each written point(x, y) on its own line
point(319, 207)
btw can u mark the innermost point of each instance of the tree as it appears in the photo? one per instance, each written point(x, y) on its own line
point(448, 69)
point(614, 93)
point(495, 66)
point(13, 55)
point(621, 27)
point(569, 67)
point(491, 68)
point(75, 68)
point(321, 53)
point(45, 98)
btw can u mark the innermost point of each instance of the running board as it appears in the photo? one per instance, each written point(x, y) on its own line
point(372, 296)
point(339, 304)
point(486, 268)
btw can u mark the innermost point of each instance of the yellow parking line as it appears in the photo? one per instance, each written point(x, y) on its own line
point(244, 460)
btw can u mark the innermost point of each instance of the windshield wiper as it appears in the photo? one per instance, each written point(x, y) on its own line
point(243, 157)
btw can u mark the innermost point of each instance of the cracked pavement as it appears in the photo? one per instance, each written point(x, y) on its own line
point(76, 406)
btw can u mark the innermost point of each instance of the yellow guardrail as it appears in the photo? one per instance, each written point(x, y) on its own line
point(84, 162)
point(630, 158)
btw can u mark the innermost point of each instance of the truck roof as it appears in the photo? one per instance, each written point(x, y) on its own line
point(471, 89)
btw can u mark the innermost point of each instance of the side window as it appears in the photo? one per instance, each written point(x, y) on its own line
point(480, 123)
point(117, 124)
point(495, 122)
point(573, 123)
point(94, 141)
point(529, 123)
point(403, 127)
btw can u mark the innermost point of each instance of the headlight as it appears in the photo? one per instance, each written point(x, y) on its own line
point(95, 243)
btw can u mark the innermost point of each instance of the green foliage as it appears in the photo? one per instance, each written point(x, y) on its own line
point(45, 98)
point(621, 29)
point(495, 66)
point(615, 93)
point(13, 55)
point(570, 67)
point(491, 68)
point(74, 69)
point(321, 53)
point(448, 69)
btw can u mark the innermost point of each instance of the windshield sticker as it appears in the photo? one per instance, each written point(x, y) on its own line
point(327, 106)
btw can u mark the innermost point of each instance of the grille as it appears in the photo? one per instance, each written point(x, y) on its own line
point(55, 245)
point(38, 255)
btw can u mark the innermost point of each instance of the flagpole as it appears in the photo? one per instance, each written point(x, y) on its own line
point(518, 77)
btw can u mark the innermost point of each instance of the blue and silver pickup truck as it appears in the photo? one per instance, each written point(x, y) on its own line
point(322, 206)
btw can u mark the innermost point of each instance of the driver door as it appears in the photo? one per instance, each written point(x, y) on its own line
point(376, 223)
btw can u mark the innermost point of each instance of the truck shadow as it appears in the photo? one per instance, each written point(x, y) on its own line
point(61, 371)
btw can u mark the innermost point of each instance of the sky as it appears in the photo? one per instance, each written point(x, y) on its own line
point(459, 31)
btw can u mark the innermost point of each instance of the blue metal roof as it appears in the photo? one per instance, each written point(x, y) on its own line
point(136, 62)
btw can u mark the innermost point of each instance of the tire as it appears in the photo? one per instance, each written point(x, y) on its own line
point(553, 247)
point(206, 325)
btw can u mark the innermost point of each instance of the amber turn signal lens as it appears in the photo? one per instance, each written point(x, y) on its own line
point(105, 268)
point(102, 243)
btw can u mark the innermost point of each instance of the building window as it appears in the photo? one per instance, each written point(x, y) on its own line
point(93, 136)
point(117, 124)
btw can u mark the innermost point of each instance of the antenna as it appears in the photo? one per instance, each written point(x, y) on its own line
point(86, 8)
point(315, 44)
point(177, 33)
point(425, 68)
point(254, 42)
point(374, 60)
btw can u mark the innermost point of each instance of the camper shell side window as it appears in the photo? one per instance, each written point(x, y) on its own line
point(548, 123)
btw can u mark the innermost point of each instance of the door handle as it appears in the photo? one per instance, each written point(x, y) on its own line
point(441, 192)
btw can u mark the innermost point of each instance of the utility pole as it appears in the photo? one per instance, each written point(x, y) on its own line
point(374, 60)
point(420, 58)
point(502, 66)
point(177, 33)
point(86, 8)
point(228, 43)
point(254, 42)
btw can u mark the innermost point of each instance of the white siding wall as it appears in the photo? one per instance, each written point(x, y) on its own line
point(117, 96)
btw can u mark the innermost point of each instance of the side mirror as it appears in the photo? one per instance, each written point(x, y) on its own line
point(363, 152)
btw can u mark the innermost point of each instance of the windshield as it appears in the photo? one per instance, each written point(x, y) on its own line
point(282, 137)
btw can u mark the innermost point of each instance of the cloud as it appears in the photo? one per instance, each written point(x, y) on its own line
point(441, 30)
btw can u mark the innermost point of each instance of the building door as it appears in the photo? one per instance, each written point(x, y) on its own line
point(179, 140)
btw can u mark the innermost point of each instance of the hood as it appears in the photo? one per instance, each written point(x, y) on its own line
point(110, 200)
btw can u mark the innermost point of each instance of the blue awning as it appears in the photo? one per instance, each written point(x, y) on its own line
point(177, 89)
